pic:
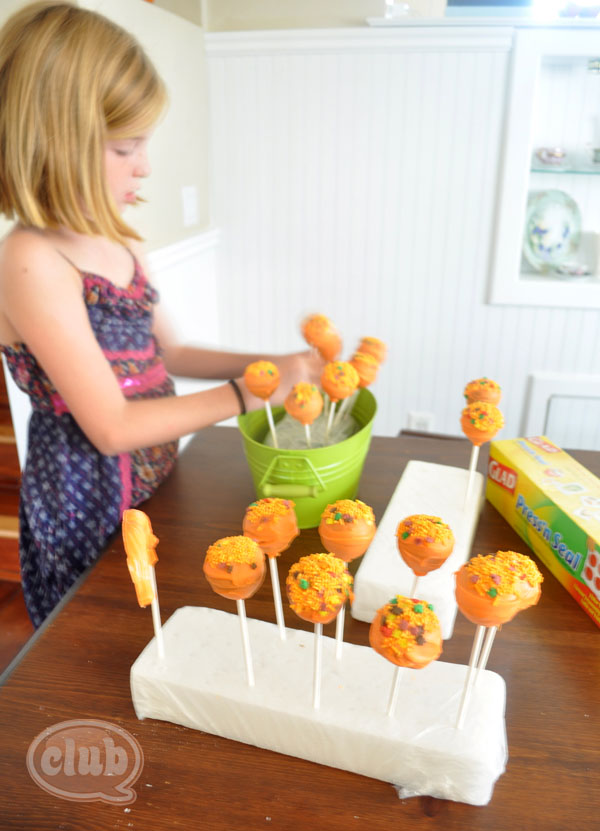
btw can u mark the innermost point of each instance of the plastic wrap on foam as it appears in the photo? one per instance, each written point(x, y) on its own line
point(201, 684)
point(424, 488)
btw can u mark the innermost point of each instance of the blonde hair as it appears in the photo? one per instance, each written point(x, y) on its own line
point(69, 80)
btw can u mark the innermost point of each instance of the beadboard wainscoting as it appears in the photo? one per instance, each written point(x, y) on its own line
point(356, 173)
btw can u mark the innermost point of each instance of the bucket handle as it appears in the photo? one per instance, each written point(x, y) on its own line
point(285, 491)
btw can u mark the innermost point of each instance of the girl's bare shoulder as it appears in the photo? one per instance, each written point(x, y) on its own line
point(28, 251)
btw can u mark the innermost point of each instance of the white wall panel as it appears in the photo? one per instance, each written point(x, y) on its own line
point(356, 175)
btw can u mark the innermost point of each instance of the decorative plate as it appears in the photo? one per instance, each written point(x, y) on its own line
point(552, 228)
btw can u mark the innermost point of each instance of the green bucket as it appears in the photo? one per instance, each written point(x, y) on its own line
point(313, 477)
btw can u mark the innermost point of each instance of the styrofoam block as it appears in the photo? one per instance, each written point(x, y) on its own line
point(202, 684)
point(425, 488)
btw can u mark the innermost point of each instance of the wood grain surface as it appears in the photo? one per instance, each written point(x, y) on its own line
point(78, 665)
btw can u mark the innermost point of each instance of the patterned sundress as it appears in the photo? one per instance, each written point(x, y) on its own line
point(72, 496)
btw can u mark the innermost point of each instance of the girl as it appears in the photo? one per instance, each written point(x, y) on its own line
point(79, 322)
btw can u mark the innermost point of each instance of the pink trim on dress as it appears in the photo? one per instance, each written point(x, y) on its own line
point(132, 354)
point(125, 470)
point(131, 385)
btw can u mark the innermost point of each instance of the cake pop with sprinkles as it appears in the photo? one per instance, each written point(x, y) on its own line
point(374, 347)
point(407, 632)
point(304, 403)
point(235, 567)
point(492, 588)
point(481, 421)
point(319, 332)
point(339, 379)
point(347, 527)
point(261, 378)
point(367, 367)
point(424, 542)
point(483, 389)
point(318, 586)
point(272, 523)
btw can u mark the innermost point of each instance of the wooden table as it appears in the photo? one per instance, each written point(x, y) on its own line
point(78, 667)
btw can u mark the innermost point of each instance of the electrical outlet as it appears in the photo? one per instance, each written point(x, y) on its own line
point(420, 421)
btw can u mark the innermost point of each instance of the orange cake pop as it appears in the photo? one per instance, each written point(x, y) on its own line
point(140, 544)
point(320, 332)
point(318, 586)
point(424, 542)
point(235, 567)
point(339, 379)
point(374, 347)
point(366, 366)
point(304, 402)
point(480, 422)
point(483, 389)
point(492, 588)
point(407, 632)
point(272, 523)
point(347, 528)
point(261, 378)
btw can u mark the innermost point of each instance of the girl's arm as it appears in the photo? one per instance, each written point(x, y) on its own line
point(199, 362)
point(41, 297)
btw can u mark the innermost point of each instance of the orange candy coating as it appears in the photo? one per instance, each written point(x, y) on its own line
point(492, 588)
point(235, 567)
point(304, 402)
point(140, 544)
point(407, 632)
point(271, 523)
point(320, 332)
point(347, 528)
point(483, 389)
point(261, 378)
point(366, 366)
point(339, 379)
point(424, 542)
point(480, 422)
point(330, 347)
point(374, 347)
point(318, 585)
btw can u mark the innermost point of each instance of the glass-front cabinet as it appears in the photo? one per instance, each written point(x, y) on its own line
point(547, 245)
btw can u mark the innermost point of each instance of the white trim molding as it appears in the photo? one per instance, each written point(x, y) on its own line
point(346, 41)
point(184, 250)
point(543, 386)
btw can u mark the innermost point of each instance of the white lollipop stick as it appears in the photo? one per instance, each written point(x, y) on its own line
point(269, 412)
point(241, 609)
point(158, 634)
point(472, 466)
point(466, 694)
point(307, 432)
point(339, 632)
point(485, 652)
point(330, 418)
point(341, 411)
point(317, 666)
point(394, 693)
point(413, 591)
point(277, 596)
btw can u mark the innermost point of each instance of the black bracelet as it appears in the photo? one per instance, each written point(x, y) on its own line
point(240, 397)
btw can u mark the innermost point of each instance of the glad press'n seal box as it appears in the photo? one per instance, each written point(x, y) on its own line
point(553, 503)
